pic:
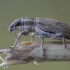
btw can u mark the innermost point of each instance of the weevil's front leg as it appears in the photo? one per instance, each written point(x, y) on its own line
point(18, 37)
point(15, 36)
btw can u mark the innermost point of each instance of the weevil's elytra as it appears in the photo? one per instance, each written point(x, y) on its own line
point(42, 28)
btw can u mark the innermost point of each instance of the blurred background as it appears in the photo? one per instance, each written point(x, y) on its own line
point(13, 9)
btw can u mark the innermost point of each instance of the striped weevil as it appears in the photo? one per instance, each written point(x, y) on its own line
point(42, 28)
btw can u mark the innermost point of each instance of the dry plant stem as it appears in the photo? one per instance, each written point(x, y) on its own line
point(24, 54)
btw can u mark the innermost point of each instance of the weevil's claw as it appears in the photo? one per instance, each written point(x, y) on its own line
point(36, 63)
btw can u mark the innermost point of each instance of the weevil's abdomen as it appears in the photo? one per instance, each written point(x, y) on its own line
point(53, 26)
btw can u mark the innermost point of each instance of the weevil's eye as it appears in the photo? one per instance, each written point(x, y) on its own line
point(14, 25)
point(17, 23)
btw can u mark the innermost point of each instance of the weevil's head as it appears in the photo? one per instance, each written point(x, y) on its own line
point(22, 24)
point(15, 25)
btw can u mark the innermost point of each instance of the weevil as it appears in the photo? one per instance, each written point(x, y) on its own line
point(42, 28)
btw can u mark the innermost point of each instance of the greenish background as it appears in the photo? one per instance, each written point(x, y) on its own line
point(13, 9)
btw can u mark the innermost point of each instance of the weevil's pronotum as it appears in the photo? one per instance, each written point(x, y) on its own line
point(42, 28)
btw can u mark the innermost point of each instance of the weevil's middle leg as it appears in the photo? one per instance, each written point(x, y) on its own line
point(42, 45)
point(42, 54)
point(32, 36)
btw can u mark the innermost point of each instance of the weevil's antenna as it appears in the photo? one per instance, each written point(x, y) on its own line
point(4, 24)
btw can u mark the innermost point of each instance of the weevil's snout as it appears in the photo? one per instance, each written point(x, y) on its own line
point(10, 30)
point(15, 25)
point(11, 27)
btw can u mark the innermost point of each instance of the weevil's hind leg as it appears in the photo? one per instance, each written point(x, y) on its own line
point(64, 42)
point(32, 37)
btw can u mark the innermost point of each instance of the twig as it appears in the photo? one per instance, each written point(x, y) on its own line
point(23, 54)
